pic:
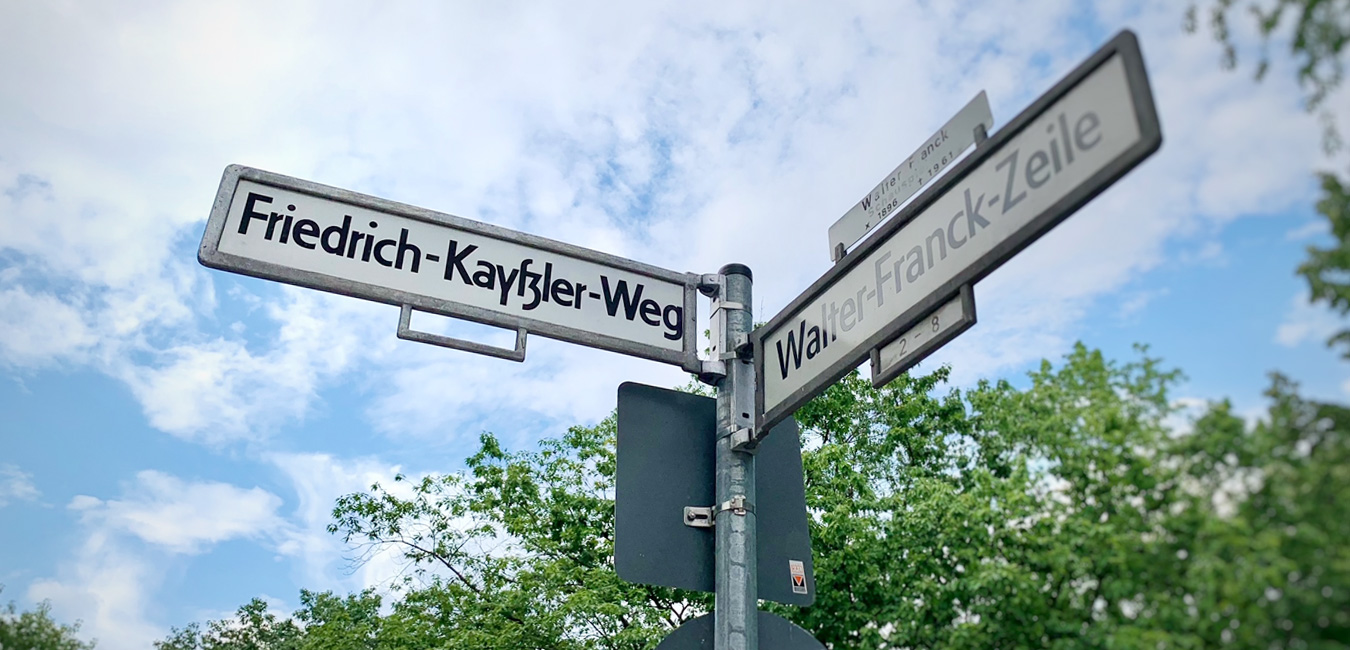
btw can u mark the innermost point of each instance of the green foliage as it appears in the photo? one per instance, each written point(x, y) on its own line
point(517, 552)
point(1327, 270)
point(36, 630)
point(1066, 514)
point(253, 628)
point(998, 526)
point(1272, 568)
point(1318, 34)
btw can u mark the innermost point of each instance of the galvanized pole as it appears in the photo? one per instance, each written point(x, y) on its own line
point(736, 610)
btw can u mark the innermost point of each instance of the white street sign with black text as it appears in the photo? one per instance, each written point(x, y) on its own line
point(1070, 144)
point(294, 231)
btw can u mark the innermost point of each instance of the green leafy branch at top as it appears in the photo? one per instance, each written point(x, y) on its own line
point(1319, 30)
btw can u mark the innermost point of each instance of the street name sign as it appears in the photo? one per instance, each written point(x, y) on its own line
point(924, 338)
point(1072, 142)
point(938, 151)
point(298, 232)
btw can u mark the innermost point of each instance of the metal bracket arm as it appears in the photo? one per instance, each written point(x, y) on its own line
point(743, 441)
point(981, 134)
point(745, 348)
point(712, 372)
point(706, 517)
point(711, 284)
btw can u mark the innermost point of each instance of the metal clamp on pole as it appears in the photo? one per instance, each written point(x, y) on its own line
point(710, 284)
point(726, 345)
point(743, 441)
point(712, 372)
point(738, 505)
point(706, 517)
point(406, 333)
point(713, 285)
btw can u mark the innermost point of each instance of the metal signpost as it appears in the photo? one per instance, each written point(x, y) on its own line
point(1073, 142)
point(903, 293)
point(735, 622)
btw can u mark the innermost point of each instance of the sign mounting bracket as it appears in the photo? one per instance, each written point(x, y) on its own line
point(706, 516)
point(406, 333)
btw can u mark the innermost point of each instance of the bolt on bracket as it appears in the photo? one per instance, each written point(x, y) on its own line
point(711, 284)
point(706, 516)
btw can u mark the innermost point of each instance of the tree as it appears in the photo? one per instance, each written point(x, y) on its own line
point(1067, 514)
point(323, 622)
point(1327, 270)
point(253, 628)
point(1009, 518)
point(1320, 30)
point(517, 552)
point(350, 623)
point(1271, 567)
point(37, 630)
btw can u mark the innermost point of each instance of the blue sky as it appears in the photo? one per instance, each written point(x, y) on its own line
point(172, 438)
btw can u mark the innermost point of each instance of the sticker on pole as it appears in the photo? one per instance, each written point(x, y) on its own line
point(798, 572)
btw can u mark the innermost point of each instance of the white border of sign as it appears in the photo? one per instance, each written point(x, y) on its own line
point(211, 256)
point(1126, 46)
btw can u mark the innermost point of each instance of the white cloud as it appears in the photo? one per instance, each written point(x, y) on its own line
point(684, 136)
point(318, 480)
point(183, 517)
point(1309, 230)
point(16, 485)
point(109, 589)
point(111, 255)
point(39, 329)
point(1208, 253)
point(1134, 303)
point(1306, 322)
point(222, 390)
point(110, 582)
point(131, 543)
